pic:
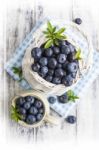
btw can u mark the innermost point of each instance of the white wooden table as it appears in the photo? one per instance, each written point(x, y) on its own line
point(19, 22)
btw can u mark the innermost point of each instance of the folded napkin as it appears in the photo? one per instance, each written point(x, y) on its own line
point(79, 88)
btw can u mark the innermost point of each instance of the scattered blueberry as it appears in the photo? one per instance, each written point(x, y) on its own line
point(71, 119)
point(63, 98)
point(52, 100)
point(78, 21)
point(30, 119)
point(61, 58)
point(43, 61)
point(36, 53)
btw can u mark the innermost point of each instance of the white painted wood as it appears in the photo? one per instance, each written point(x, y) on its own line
point(19, 23)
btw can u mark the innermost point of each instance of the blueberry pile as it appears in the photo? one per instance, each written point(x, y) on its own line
point(56, 64)
point(30, 109)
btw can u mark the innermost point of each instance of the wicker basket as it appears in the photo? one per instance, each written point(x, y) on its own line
point(38, 82)
point(46, 117)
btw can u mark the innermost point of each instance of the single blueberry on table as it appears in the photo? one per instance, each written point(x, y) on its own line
point(43, 61)
point(52, 63)
point(39, 117)
point(78, 21)
point(36, 53)
point(71, 119)
point(33, 110)
point(26, 105)
point(59, 72)
point(61, 58)
point(48, 52)
point(35, 67)
point(67, 80)
point(52, 100)
point(63, 98)
point(56, 80)
point(72, 67)
point(30, 119)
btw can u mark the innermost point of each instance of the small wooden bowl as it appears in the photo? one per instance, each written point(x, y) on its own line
point(46, 118)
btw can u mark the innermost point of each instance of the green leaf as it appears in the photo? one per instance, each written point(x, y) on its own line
point(54, 29)
point(61, 30)
point(14, 114)
point(78, 54)
point(48, 44)
point(71, 96)
point(18, 71)
point(49, 26)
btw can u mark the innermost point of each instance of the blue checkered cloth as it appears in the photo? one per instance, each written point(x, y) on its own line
point(79, 88)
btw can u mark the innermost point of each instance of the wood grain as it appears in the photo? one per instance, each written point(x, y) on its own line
point(19, 23)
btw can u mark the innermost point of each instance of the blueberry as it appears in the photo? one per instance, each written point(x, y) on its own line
point(33, 110)
point(30, 99)
point(65, 49)
point(59, 72)
point(52, 63)
point(20, 101)
point(67, 42)
point(36, 52)
point(59, 65)
point(72, 48)
point(39, 117)
point(61, 42)
point(41, 110)
point(78, 21)
point(26, 105)
point(48, 52)
point(71, 57)
point(35, 67)
point(48, 78)
point(73, 74)
point(23, 117)
point(61, 58)
point(30, 119)
point(50, 72)
point(63, 98)
point(56, 80)
point(64, 66)
point(44, 70)
point(43, 61)
point(72, 67)
point(56, 50)
point(21, 111)
point(38, 104)
point(67, 80)
point(71, 119)
point(41, 74)
point(52, 100)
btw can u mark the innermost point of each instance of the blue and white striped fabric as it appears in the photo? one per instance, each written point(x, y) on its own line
point(79, 88)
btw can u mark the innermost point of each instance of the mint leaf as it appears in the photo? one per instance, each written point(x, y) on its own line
point(71, 96)
point(61, 31)
point(78, 54)
point(14, 114)
point(48, 44)
point(18, 71)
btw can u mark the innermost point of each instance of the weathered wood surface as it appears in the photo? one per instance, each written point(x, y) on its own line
point(19, 23)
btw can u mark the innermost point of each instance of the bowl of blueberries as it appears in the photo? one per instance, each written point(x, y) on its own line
point(31, 109)
point(53, 62)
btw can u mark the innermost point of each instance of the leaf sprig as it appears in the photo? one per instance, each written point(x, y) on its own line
point(18, 71)
point(78, 54)
point(53, 35)
point(71, 96)
point(14, 114)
